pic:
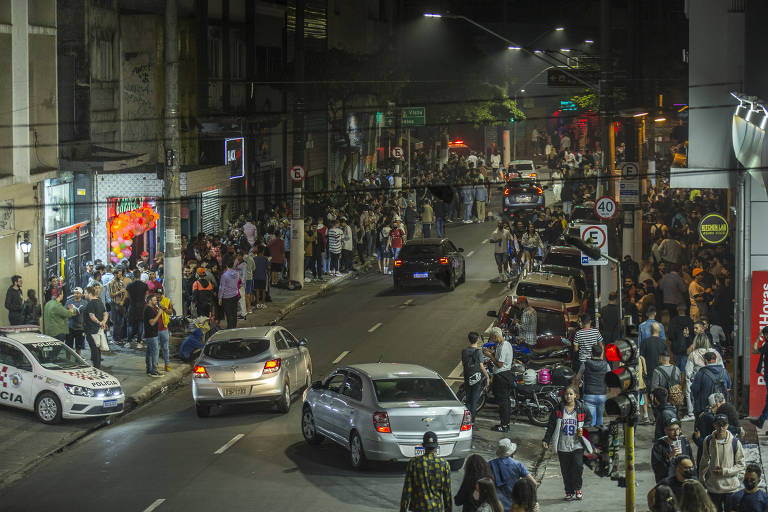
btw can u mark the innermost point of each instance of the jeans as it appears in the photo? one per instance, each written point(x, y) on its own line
point(440, 227)
point(346, 260)
point(501, 391)
point(720, 501)
point(135, 325)
point(467, 211)
point(473, 397)
point(150, 354)
point(118, 322)
point(326, 262)
point(163, 337)
point(396, 252)
point(335, 257)
point(369, 243)
point(680, 361)
point(426, 230)
point(572, 469)
point(481, 211)
point(764, 414)
point(595, 404)
point(317, 265)
point(307, 263)
point(95, 351)
point(229, 305)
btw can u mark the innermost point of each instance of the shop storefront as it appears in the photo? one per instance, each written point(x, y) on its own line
point(132, 228)
point(66, 252)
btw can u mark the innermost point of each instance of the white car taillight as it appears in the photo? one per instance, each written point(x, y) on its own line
point(381, 422)
point(272, 366)
point(466, 423)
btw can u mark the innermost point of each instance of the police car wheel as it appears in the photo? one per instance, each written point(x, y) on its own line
point(48, 408)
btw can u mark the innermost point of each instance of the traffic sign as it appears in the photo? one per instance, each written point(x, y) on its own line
point(595, 235)
point(605, 208)
point(414, 116)
point(629, 189)
point(397, 152)
point(296, 173)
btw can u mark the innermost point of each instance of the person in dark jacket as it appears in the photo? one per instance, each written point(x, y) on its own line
point(475, 468)
point(609, 319)
point(707, 381)
point(665, 450)
point(680, 334)
point(14, 301)
point(592, 374)
point(663, 411)
point(705, 422)
point(190, 344)
point(564, 431)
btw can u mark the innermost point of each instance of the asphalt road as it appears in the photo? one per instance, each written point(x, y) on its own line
point(252, 458)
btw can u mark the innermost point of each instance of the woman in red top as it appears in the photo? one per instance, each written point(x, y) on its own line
point(396, 239)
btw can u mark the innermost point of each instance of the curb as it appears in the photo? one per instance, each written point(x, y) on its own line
point(155, 388)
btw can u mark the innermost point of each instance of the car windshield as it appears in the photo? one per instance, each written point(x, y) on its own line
point(543, 291)
point(550, 322)
point(420, 251)
point(411, 390)
point(524, 167)
point(54, 355)
point(523, 184)
point(563, 259)
point(237, 348)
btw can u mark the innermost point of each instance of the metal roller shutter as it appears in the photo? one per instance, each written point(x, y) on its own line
point(210, 212)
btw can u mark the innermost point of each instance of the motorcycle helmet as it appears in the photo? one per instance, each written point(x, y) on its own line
point(544, 376)
point(529, 377)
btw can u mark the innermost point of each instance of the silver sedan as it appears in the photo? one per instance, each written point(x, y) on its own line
point(250, 365)
point(380, 411)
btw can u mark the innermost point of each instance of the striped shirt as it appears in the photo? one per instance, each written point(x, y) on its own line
point(586, 338)
point(335, 236)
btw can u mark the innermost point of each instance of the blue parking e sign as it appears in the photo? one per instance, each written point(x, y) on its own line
point(585, 260)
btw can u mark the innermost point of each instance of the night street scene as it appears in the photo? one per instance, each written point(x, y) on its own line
point(382, 255)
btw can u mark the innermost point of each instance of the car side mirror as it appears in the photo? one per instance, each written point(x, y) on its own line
point(492, 314)
point(461, 249)
point(317, 384)
point(302, 342)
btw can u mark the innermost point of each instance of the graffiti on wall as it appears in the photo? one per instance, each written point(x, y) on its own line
point(6, 215)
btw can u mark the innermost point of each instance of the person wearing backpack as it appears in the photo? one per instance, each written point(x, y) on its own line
point(668, 376)
point(663, 411)
point(712, 378)
point(721, 462)
point(705, 423)
point(475, 374)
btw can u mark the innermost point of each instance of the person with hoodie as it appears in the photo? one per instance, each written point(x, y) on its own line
point(721, 462)
point(190, 344)
point(564, 434)
point(592, 374)
point(203, 293)
point(663, 411)
point(713, 378)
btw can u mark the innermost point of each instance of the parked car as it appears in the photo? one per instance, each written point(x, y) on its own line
point(521, 169)
point(550, 286)
point(380, 411)
point(428, 261)
point(250, 365)
point(563, 256)
point(578, 275)
point(522, 193)
point(41, 374)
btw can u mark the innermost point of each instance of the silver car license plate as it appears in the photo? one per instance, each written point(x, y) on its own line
point(108, 404)
point(524, 199)
point(421, 275)
point(239, 391)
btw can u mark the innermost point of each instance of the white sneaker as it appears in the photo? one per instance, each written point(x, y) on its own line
point(688, 417)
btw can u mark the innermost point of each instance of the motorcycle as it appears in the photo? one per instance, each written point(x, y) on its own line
point(536, 401)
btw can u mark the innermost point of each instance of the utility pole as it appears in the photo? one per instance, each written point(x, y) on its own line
point(171, 182)
point(605, 94)
point(296, 265)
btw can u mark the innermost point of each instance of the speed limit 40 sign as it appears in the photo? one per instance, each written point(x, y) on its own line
point(605, 208)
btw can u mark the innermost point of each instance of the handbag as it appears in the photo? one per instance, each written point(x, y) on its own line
point(100, 338)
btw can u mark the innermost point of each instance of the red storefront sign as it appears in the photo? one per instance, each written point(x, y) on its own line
point(759, 320)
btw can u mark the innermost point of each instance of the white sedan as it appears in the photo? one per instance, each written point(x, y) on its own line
point(41, 374)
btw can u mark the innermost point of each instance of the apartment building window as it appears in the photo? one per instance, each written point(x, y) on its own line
point(103, 62)
point(237, 56)
point(214, 52)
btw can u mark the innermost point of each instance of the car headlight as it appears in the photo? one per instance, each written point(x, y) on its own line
point(80, 390)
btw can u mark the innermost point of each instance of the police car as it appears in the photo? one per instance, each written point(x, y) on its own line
point(41, 374)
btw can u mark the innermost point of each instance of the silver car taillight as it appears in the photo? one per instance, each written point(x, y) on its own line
point(466, 423)
point(272, 366)
point(381, 422)
point(200, 372)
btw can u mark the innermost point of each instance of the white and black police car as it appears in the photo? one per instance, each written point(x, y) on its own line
point(41, 374)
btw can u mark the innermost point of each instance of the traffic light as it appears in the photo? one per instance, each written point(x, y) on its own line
point(624, 405)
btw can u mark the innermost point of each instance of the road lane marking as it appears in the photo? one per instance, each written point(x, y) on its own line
point(485, 241)
point(470, 253)
point(488, 330)
point(341, 356)
point(375, 327)
point(229, 444)
point(155, 504)
point(405, 304)
point(457, 372)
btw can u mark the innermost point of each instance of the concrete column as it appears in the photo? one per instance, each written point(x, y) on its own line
point(505, 155)
point(20, 89)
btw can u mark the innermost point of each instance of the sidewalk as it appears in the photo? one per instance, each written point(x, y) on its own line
point(25, 442)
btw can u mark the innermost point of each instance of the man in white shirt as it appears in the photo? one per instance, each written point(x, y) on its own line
point(501, 238)
point(502, 380)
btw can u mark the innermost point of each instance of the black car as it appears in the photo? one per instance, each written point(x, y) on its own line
point(522, 193)
point(429, 261)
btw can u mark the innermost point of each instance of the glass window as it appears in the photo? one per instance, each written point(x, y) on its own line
point(411, 390)
point(54, 355)
point(280, 341)
point(550, 322)
point(335, 382)
point(564, 259)
point(12, 356)
point(353, 387)
point(541, 291)
point(235, 348)
point(291, 339)
point(416, 251)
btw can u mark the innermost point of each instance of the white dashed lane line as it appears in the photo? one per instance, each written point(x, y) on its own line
point(457, 372)
point(375, 327)
point(341, 356)
point(229, 444)
point(470, 253)
point(155, 504)
point(406, 304)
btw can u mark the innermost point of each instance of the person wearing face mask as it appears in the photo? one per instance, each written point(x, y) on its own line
point(500, 238)
point(684, 470)
point(721, 461)
point(665, 450)
point(751, 498)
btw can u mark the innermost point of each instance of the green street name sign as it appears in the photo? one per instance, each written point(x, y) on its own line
point(414, 116)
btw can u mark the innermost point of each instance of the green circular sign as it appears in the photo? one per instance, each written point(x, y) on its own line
point(713, 228)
